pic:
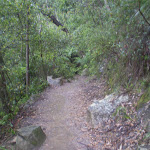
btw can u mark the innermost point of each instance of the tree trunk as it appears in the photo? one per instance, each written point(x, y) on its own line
point(3, 89)
point(27, 51)
point(21, 55)
point(44, 74)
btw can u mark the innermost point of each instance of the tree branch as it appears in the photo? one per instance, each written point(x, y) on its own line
point(55, 21)
point(143, 14)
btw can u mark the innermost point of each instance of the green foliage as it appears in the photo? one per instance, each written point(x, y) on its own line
point(144, 98)
point(50, 51)
point(121, 112)
point(3, 148)
point(145, 139)
point(147, 136)
point(114, 39)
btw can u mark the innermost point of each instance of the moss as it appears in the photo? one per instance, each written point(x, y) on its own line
point(144, 99)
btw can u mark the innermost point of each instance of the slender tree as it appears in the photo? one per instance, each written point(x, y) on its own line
point(27, 50)
point(3, 89)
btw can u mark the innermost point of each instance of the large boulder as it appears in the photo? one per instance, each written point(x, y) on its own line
point(101, 110)
point(54, 82)
point(29, 138)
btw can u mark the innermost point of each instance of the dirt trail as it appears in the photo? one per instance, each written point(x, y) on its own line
point(62, 114)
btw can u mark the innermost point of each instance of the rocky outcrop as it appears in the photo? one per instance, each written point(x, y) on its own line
point(54, 82)
point(28, 138)
point(101, 110)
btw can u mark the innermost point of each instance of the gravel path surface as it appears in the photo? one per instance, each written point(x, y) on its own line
point(61, 111)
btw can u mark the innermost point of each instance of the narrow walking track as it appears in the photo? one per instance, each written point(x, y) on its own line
point(61, 111)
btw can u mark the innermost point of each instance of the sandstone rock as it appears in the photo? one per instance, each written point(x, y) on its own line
point(29, 138)
point(54, 82)
point(101, 110)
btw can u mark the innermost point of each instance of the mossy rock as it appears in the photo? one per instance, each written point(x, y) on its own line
point(30, 137)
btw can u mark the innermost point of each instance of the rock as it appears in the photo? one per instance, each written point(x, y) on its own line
point(22, 144)
point(13, 141)
point(143, 114)
point(31, 101)
point(54, 82)
point(148, 126)
point(145, 147)
point(100, 111)
point(84, 72)
point(29, 138)
point(101, 69)
point(103, 66)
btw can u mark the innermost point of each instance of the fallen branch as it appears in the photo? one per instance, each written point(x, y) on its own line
point(143, 14)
